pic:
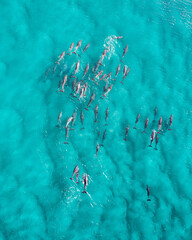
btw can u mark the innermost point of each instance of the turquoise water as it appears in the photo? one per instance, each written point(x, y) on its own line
point(37, 198)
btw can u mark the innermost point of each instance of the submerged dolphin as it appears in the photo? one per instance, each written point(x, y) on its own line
point(170, 121)
point(148, 193)
point(137, 119)
point(126, 133)
point(146, 124)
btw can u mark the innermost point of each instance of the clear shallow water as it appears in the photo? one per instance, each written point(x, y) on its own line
point(37, 198)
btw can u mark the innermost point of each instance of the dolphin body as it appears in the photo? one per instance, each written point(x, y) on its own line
point(170, 122)
point(85, 182)
point(146, 124)
point(75, 171)
point(124, 52)
point(137, 119)
point(148, 193)
point(126, 132)
point(117, 71)
point(96, 112)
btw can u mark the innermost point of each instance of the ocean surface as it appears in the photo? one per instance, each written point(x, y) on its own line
point(37, 198)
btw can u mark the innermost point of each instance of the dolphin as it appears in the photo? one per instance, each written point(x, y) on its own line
point(61, 57)
point(66, 135)
point(106, 115)
point(99, 74)
point(152, 137)
point(75, 171)
point(77, 176)
point(155, 113)
point(146, 124)
point(104, 135)
point(59, 84)
point(86, 47)
point(85, 178)
point(104, 75)
point(86, 70)
point(108, 76)
point(81, 93)
point(63, 84)
point(85, 88)
point(126, 133)
point(73, 84)
point(68, 121)
point(115, 37)
point(137, 119)
point(124, 52)
point(77, 67)
point(160, 124)
point(91, 100)
point(59, 118)
point(71, 47)
point(82, 119)
point(117, 71)
point(105, 88)
point(148, 193)
point(74, 116)
point(97, 149)
point(108, 90)
point(78, 45)
point(96, 112)
point(104, 54)
point(156, 141)
point(77, 88)
point(126, 72)
point(170, 121)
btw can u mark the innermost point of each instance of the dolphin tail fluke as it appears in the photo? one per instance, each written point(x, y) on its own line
point(121, 61)
point(114, 79)
point(84, 192)
point(106, 124)
point(101, 64)
point(158, 132)
point(82, 128)
point(65, 143)
point(169, 129)
point(71, 178)
point(68, 54)
point(57, 62)
point(95, 121)
point(57, 125)
point(75, 53)
point(73, 76)
point(134, 128)
point(143, 131)
point(79, 55)
point(101, 145)
point(77, 182)
point(125, 139)
point(150, 145)
point(156, 148)
point(61, 90)
point(121, 82)
point(87, 109)
point(148, 199)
